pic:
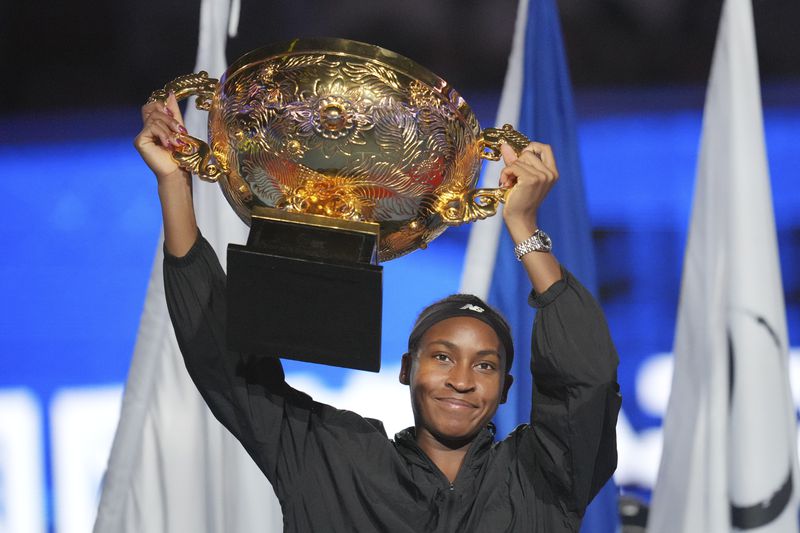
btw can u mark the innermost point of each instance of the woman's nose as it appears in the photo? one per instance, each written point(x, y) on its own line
point(461, 379)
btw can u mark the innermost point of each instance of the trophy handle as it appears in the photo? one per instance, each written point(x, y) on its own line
point(195, 155)
point(477, 204)
point(469, 206)
point(491, 138)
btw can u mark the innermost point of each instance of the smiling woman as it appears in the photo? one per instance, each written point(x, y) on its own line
point(639, 236)
point(457, 382)
point(334, 470)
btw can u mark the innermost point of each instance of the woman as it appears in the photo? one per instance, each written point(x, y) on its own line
point(333, 470)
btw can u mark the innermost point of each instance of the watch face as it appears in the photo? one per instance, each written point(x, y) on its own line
point(544, 240)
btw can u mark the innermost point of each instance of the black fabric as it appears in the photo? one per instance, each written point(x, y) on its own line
point(335, 471)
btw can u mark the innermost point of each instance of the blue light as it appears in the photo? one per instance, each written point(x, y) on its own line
point(79, 225)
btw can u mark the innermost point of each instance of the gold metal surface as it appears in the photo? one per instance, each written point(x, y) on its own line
point(199, 85)
point(492, 138)
point(469, 205)
point(344, 130)
point(270, 213)
point(195, 156)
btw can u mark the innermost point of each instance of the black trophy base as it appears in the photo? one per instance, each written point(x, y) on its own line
point(285, 303)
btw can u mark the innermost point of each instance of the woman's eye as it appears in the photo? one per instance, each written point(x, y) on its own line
point(441, 357)
point(485, 366)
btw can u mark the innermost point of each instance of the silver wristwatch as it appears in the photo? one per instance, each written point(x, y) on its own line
point(538, 242)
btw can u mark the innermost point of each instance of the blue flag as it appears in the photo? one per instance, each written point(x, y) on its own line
point(538, 79)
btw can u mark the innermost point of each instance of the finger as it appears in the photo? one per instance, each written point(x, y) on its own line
point(152, 137)
point(529, 152)
point(508, 153)
point(511, 174)
point(537, 183)
point(173, 108)
point(545, 153)
point(172, 123)
point(150, 107)
point(535, 161)
point(507, 178)
point(166, 137)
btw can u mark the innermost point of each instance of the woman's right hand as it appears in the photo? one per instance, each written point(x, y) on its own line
point(160, 135)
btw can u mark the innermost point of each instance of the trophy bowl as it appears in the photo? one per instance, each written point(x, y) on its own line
point(345, 131)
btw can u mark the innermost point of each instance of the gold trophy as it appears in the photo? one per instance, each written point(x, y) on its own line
point(338, 155)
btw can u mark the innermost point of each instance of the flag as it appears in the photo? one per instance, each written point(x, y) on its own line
point(537, 99)
point(729, 459)
point(173, 467)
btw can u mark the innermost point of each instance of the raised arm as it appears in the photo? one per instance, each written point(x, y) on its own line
point(530, 177)
point(246, 393)
point(570, 445)
point(160, 135)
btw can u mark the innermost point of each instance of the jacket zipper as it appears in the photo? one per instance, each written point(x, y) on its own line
point(451, 485)
point(464, 465)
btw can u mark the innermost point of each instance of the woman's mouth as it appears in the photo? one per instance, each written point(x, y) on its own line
point(456, 403)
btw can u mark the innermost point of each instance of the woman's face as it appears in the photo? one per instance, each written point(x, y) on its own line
point(457, 379)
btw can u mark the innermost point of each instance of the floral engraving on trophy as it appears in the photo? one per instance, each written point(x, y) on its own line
point(294, 148)
point(332, 117)
point(247, 134)
point(272, 179)
point(382, 81)
point(394, 140)
point(420, 95)
point(352, 133)
point(330, 196)
point(396, 131)
point(277, 81)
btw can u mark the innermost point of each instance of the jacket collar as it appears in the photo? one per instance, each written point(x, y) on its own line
point(406, 443)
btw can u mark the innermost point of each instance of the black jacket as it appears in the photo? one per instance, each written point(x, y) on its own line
point(335, 471)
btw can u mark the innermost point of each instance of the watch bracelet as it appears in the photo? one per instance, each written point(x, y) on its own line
point(532, 244)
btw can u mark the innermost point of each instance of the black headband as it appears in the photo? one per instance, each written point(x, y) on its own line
point(463, 305)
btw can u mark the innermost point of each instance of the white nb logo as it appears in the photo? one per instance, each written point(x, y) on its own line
point(475, 308)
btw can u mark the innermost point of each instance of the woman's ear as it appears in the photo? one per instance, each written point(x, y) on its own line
point(507, 381)
point(405, 369)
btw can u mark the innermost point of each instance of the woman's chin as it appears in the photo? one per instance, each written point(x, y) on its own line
point(455, 437)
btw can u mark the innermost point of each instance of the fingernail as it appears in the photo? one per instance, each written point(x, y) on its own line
point(183, 130)
point(168, 111)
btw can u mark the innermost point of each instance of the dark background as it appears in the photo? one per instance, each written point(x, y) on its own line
point(65, 55)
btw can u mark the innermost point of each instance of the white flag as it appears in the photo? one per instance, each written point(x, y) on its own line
point(730, 454)
point(173, 467)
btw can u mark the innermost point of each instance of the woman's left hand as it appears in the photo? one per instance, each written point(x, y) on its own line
point(530, 176)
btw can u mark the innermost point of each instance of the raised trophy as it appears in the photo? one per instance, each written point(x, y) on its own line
point(339, 155)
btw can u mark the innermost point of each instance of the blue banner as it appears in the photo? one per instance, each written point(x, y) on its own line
point(547, 115)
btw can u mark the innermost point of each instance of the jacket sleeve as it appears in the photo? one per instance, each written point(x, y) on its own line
point(247, 394)
point(575, 397)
